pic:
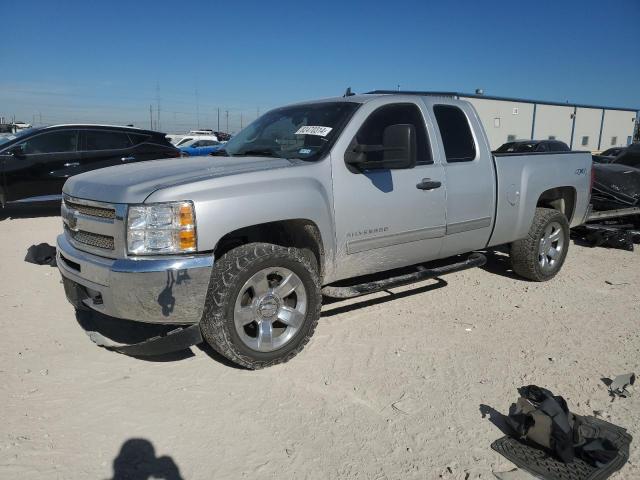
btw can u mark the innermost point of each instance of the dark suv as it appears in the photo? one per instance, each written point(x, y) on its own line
point(530, 146)
point(35, 163)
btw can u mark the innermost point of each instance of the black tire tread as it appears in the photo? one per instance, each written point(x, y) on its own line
point(232, 264)
point(524, 252)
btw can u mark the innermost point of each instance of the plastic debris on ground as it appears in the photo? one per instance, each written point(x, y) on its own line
point(620, 386)
point(41, 254)
point(547, 440)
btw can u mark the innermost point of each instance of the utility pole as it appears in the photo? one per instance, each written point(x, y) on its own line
point(218, 119)
point(158, 105)
point(197, 109)
point(150, 117)
point(240, 120)
point(227, 113)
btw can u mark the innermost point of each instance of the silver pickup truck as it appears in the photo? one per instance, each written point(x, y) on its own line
point(305, 202)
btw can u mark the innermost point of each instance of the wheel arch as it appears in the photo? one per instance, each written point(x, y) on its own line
point(562, 199)
point(299, 233)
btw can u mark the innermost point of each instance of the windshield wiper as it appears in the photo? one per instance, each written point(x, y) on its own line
point(257, 152)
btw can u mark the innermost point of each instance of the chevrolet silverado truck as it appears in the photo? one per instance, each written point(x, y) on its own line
point(308, 201)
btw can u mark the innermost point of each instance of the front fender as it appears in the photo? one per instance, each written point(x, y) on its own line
point(227, 204)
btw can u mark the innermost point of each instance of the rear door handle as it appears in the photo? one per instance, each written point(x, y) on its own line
point(128, 159)
point(428, 184)
point(72, 164)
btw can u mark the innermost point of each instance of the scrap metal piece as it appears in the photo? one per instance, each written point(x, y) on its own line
point(179, 339)
point(618, 387)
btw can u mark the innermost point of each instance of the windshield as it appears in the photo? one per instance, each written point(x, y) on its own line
point(304, 131)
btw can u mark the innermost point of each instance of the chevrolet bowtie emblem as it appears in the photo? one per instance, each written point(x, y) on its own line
point(71, 219)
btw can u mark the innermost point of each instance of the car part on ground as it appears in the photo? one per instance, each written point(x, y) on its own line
point(619, 386)
point(612, 234)
point(549, 441)
point(137, 339)
point(41, 254)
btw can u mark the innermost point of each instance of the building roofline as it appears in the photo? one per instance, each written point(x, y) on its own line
point(505, 99)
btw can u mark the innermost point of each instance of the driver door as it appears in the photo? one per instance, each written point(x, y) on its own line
point(37, 171)
point(387, 218)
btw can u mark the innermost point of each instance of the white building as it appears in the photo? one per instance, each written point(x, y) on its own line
point(582, 127)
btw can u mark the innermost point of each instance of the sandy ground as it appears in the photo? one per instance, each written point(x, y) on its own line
point(390, 387)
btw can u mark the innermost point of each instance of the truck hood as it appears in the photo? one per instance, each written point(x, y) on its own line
point(134, 182)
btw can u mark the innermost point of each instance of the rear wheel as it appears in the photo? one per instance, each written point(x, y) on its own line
point(540, 255)
point(263, 304)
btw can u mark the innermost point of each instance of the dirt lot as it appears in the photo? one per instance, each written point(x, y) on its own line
point(390, 387)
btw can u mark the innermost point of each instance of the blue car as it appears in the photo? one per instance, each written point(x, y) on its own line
point(198, 147)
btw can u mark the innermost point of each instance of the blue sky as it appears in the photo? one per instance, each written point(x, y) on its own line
point(90, 61)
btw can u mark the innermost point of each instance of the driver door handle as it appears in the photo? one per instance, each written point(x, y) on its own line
point(128, 159)
point(428, 184)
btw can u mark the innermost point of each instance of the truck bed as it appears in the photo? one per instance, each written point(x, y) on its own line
point(523, 178)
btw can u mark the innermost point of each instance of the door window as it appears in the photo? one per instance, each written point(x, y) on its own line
point(53, 142)
point(456, 133)
point(105, 140)
point(371, 132)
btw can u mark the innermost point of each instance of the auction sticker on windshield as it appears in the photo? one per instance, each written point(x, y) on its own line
point(314, 130)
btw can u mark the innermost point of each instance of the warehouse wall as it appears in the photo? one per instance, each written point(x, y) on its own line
point(503, 118)
point(587, 130)
point(618, 124)
point(553, 121)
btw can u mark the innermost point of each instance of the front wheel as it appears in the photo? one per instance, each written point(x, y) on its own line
point(263, 304)
point(540, 255)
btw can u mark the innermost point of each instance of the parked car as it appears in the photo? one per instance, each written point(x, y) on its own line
point(35, 163)
point(533, 146)
point(199, 146)
point(613, 152)
point(302, 203)
point(630, 156)
point(609, 156)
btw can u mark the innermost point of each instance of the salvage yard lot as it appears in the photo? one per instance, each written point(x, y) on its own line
point(391, 386)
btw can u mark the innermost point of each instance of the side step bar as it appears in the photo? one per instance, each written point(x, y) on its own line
point(350, 291)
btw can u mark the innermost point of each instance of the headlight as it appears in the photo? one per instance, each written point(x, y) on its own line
point(161, 228)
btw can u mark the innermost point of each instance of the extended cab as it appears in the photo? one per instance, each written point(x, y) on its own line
point(301, 203)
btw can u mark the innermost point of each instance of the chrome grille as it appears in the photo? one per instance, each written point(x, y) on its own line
point(92, 239)
point(91, 211)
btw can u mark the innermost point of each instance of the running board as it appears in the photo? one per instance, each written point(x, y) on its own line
point(474, 260)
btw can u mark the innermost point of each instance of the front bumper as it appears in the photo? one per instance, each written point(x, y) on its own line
point(169, 290)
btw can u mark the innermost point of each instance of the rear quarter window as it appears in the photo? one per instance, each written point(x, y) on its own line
point(455, 131)
point(137, 138)
point(106, 140)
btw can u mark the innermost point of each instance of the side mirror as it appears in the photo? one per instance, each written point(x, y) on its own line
point(398, 150)
point(16, 151)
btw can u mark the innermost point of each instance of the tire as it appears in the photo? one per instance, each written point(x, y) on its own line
point(248, 285)
point(540, 255)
